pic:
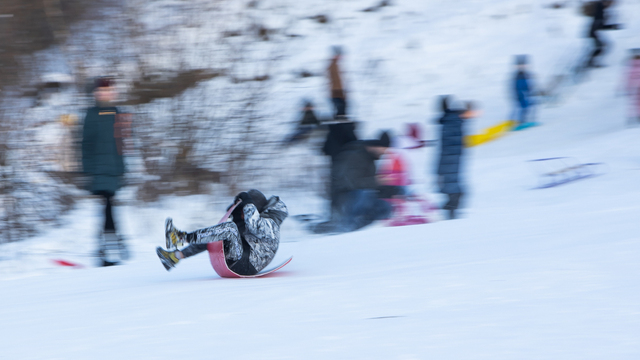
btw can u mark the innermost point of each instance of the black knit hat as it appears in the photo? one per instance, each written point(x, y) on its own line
point(103, 82)
point(259, 200)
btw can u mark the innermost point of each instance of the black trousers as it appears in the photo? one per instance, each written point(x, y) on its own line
point(453, 204)
point(599, 47)
point(109, 225)
point(340, 105)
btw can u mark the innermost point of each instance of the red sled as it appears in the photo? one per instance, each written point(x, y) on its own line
point(216, 255)
point(402, 215)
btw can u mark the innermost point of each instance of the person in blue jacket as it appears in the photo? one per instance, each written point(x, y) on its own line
point(523, 93)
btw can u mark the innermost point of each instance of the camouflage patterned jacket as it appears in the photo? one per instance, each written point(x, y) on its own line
point(262, 231)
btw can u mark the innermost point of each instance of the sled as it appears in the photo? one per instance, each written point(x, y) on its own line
point(525, 126)
point(216, 255)
point(489, 134)
point(561, 170)
point(409, 210)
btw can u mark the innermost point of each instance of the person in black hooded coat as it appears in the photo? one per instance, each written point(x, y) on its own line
point(451, 152)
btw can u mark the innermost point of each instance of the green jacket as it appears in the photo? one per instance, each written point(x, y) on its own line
point(102, 157)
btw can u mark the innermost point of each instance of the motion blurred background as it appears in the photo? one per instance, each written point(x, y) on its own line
point(214, 86)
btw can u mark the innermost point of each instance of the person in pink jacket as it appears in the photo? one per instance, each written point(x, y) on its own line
point(633, 86)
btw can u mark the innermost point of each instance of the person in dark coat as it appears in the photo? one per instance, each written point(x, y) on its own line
point(341, 132)
point(523, 92)
point(307, 124)
point(103, 164)
point(451, 151)
point(599, 22)
point(250, 241)
point(358, 201)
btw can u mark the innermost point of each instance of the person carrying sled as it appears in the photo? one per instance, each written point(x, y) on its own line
point(523, 93)
point(103, 135)
point(250, 240)
point(597, 10)
point(451, 150)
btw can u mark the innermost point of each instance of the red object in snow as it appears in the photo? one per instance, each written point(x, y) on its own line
point(67, 263)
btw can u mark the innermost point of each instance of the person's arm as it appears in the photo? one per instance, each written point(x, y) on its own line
point(268, 226)
point(88, 143)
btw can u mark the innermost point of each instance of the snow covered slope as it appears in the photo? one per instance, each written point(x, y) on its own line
point(525, 274)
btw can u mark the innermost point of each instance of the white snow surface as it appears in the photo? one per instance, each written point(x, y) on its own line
point(524, 274)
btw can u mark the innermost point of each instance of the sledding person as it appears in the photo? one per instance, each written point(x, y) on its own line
point(393, 172)
point(103, 163)
point(307, 124)
point(250, 240)
point(633, 86)
point(523, 93)
point(597, 10)
point(336, 86)
point(451, 150)
point(358, 201)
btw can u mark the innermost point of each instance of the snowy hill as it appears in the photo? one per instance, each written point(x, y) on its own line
point(525, 274)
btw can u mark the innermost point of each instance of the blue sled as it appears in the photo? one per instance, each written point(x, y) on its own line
point(525, 126)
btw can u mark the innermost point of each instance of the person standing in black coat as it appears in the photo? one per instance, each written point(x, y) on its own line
point(451, 151)
point(598, 12)
point(103, 163)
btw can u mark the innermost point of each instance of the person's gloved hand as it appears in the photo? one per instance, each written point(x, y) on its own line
point(245, 197)
point(238, 212)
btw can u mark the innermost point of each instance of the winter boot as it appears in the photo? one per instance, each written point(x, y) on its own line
point(168, 258)
point(123, 248)
point(173, 236)
point(109, 249)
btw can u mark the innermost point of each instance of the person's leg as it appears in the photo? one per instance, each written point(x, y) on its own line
point(452, 205)
point(524, 114)
point(598, 48)
point(109, 225)
point(364, 208)
point(198, 240)
point(381, 209)
point(340, 106)
point(227, 232)
point(343, 107)
point(109, 245)
point(193, 249)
